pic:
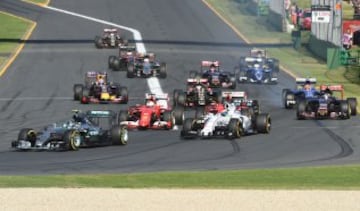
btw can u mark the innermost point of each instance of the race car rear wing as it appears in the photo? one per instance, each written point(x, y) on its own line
point(209, 63)
point(127, 48)
point(100, 113)
point(234, 94)
point(333, 88)
point(164, 96)
point(257, 52)
point(302, 81)
point(110, 30)
point(197, 80)
point(253, 59)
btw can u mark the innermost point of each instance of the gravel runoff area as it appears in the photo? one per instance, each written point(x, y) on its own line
point(175, 199)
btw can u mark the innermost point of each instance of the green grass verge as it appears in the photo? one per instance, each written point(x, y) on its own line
point(341, 177)
point(11, 28)
point(301, 62)
point(38, 1)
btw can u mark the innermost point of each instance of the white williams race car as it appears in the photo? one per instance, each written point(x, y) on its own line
point(231, 123)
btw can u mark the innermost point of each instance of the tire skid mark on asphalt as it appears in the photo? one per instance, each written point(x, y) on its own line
point(345, 147)
point(12, 114)
point(10, 101)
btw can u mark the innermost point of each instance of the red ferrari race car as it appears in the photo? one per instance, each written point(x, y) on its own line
point(120, 62)
point(98, 89)
point(154, 114)
point(110, 39)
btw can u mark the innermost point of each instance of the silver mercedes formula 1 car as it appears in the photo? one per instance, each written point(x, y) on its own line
point(92, 128)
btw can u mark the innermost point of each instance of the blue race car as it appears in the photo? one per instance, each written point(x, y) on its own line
point(304, 90)
point(92, 128)
point(258, 70)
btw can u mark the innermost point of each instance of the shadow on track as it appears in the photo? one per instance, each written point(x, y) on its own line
point(164, 42)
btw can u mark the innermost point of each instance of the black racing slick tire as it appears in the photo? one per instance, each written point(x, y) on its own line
point(72, 139)
point(162, 73)
point(187, 127)
point(130, 71)
point(111, 62)
point(27, 134)
point(178, 114)
point(181, 99)
point(263, 123)
point(123, 92)
point(345, 109)
point(353, 105)
point(98, 42)
point(168, 117)
point(119, 135)
point(235, 129)
point(301, 109)
point(78, 90)
point(288, 95)
point(122, 116)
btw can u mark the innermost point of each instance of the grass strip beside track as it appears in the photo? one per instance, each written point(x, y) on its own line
point(12, 27)
point(300, 62)
point(38, 2)
point(335, 177)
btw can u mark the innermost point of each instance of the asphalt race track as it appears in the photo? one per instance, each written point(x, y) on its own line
point(37, 90)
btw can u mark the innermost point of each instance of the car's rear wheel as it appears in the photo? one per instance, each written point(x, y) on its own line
point(162, 70)
point(169, 118)
point(345, 109)
point(78, 90)
point(288, 96)
point(122, 116)
point(123, 92)
point(187, 127)
point(301, 109)
point(178, 114)
point(181, 99)
point(353, 106)
point(130, 71)
point(119, 135)
point(98, 42)
point(111, 60)
point(84, 98)
point(263, 123)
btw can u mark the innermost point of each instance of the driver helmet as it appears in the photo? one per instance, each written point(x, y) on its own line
point(146, 60)
point(307, 85)
point(101, 81)
point(212, 68)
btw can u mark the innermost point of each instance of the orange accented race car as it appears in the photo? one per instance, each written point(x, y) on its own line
point(154, 114)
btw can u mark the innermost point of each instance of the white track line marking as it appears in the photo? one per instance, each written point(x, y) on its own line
point(153, 83)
